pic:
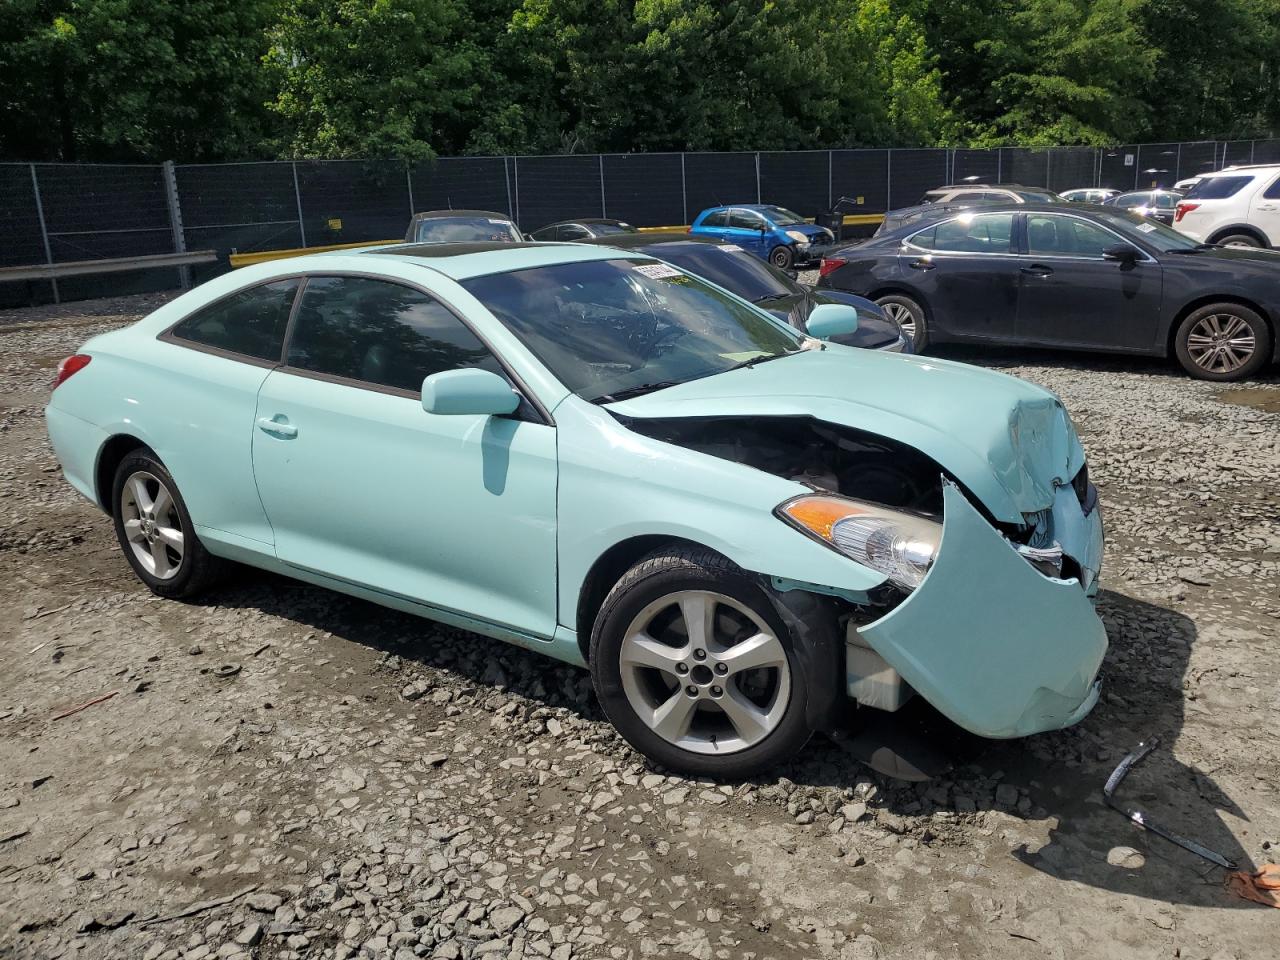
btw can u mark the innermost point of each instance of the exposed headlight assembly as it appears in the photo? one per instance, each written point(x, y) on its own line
point(797, 236)
point(902, 546)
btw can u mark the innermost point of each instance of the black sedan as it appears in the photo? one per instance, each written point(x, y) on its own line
point(1086, 277)
point(584, 229)
point(1157, 204)
point(751, 278)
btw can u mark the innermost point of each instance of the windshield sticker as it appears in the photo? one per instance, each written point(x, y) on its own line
point(1146, 227)
point(730, 248)
point(657, 271)
point(493, 220)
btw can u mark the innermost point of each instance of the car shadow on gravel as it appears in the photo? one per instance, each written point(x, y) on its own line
point(1056, 779)
point(1052, 780)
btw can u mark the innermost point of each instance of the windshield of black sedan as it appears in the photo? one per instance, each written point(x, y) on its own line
point(466, 230)
point(728, 266)
point(1163, 238)
point(606, 327)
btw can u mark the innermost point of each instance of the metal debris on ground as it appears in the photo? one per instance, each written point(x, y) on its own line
point(1137, 816)
point(1261, 887)
point(85, 705)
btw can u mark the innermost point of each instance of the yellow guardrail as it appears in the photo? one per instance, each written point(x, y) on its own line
point(264, 256)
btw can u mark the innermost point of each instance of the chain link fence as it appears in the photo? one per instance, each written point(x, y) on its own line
point(54, 213)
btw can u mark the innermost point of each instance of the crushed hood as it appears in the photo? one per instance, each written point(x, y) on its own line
point(1008, 442)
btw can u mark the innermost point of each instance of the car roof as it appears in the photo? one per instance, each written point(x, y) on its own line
point(584, 220)
point(746, 206)
point(441, 214)
point(990, 186)
point(628, 241)
point(461, 261)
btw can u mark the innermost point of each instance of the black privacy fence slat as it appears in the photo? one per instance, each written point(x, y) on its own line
point(54, 213)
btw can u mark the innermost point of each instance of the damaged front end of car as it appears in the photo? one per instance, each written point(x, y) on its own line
point(989, 619)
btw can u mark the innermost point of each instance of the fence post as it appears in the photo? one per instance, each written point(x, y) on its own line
point(999, 164)
point(830, 197)
point(758, 176)
point(515, 171)
point(408, 183)
point(603, 213)
point(44, 233)
point(175, 219)
point(1253, 145)
point(297, 196)
point(684, 193)
point(888, 179)
point(506, 172)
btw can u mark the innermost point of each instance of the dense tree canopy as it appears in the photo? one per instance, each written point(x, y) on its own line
point(239, 79)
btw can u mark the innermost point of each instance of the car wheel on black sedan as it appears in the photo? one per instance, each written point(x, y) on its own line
point(155, 530)
point(695, 669)
point(782, 257)
point(908, 315)
point(1222, 341)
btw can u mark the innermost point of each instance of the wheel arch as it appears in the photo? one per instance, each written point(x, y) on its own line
point(1172, 333)
point(1226, 231)
point(114, 451)
point(608, 569)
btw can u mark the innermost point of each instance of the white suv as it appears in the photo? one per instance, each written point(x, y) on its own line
point(1236, 206)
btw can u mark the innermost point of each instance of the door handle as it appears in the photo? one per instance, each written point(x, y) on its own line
point(281, 428)
point(921, 264)
point(1037, 270)
point(1266, 206)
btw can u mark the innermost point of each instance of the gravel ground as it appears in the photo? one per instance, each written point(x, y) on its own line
point(357, 782)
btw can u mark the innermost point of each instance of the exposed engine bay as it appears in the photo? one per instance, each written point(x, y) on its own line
point(821, 455)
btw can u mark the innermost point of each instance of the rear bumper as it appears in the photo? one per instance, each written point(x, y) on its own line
point(76, 444)
point(995, 645)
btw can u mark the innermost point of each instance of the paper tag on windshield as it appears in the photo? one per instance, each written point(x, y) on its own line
point(492, 220)
point(1146, 227)
point(657, 271)
point(729, 247)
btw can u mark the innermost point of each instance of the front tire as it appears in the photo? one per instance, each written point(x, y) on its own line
point(1222, 342)
point(908, 315)
point(155, 531)
point(695, 669)
point(782, 257)
point(1239, 240)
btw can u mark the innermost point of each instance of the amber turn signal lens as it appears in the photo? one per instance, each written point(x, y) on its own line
point(820, 514)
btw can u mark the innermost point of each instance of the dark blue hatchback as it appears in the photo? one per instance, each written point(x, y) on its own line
point(772, 233)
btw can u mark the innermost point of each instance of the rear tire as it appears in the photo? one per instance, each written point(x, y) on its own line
point(1222, 342)
point(1239, 240)
point(686, 697)
point(155, 531)
point(782, 257)
point(908, 315)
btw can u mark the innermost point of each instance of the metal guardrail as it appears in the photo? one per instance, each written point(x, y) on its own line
point(76, 268)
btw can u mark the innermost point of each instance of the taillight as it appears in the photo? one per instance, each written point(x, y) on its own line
point(830, 265)
point(73, 364)
point(1182, 209)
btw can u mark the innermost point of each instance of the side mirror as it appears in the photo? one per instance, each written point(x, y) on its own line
point(828, 320)
point(469, 390)
point(1121, 252)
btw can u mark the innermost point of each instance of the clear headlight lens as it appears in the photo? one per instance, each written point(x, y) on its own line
point(902, 546)
point(797, 236)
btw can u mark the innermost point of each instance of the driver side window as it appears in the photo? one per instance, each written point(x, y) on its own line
point(1049, 235)
point(745, 220)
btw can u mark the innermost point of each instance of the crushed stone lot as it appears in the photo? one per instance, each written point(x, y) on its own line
point(284, 772)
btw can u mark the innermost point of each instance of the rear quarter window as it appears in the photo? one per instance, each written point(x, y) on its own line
point(1218, 188)
point(250, 323)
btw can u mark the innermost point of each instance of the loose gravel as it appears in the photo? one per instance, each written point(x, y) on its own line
point(283, 772)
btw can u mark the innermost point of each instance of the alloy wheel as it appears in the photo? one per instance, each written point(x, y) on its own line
point(705, 672)
point(900, 315)
point(1221, 343)
point(152, 524)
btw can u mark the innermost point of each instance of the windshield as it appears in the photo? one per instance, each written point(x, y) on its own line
point(601, 229)
point(1165, 239)
point(782, 217)
point(729, 266)
point(608, 327)
point(466, 230)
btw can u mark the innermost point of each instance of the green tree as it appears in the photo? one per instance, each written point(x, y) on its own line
point(375, 78)
point(132, 79)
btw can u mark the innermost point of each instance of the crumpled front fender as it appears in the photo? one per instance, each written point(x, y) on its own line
point(988, 640)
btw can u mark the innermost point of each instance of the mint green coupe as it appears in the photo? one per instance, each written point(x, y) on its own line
point(739, 528)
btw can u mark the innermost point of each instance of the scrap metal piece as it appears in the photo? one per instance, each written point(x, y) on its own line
point(1137, 816)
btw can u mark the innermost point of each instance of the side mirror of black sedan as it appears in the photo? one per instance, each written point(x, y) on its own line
point(1121, 252)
